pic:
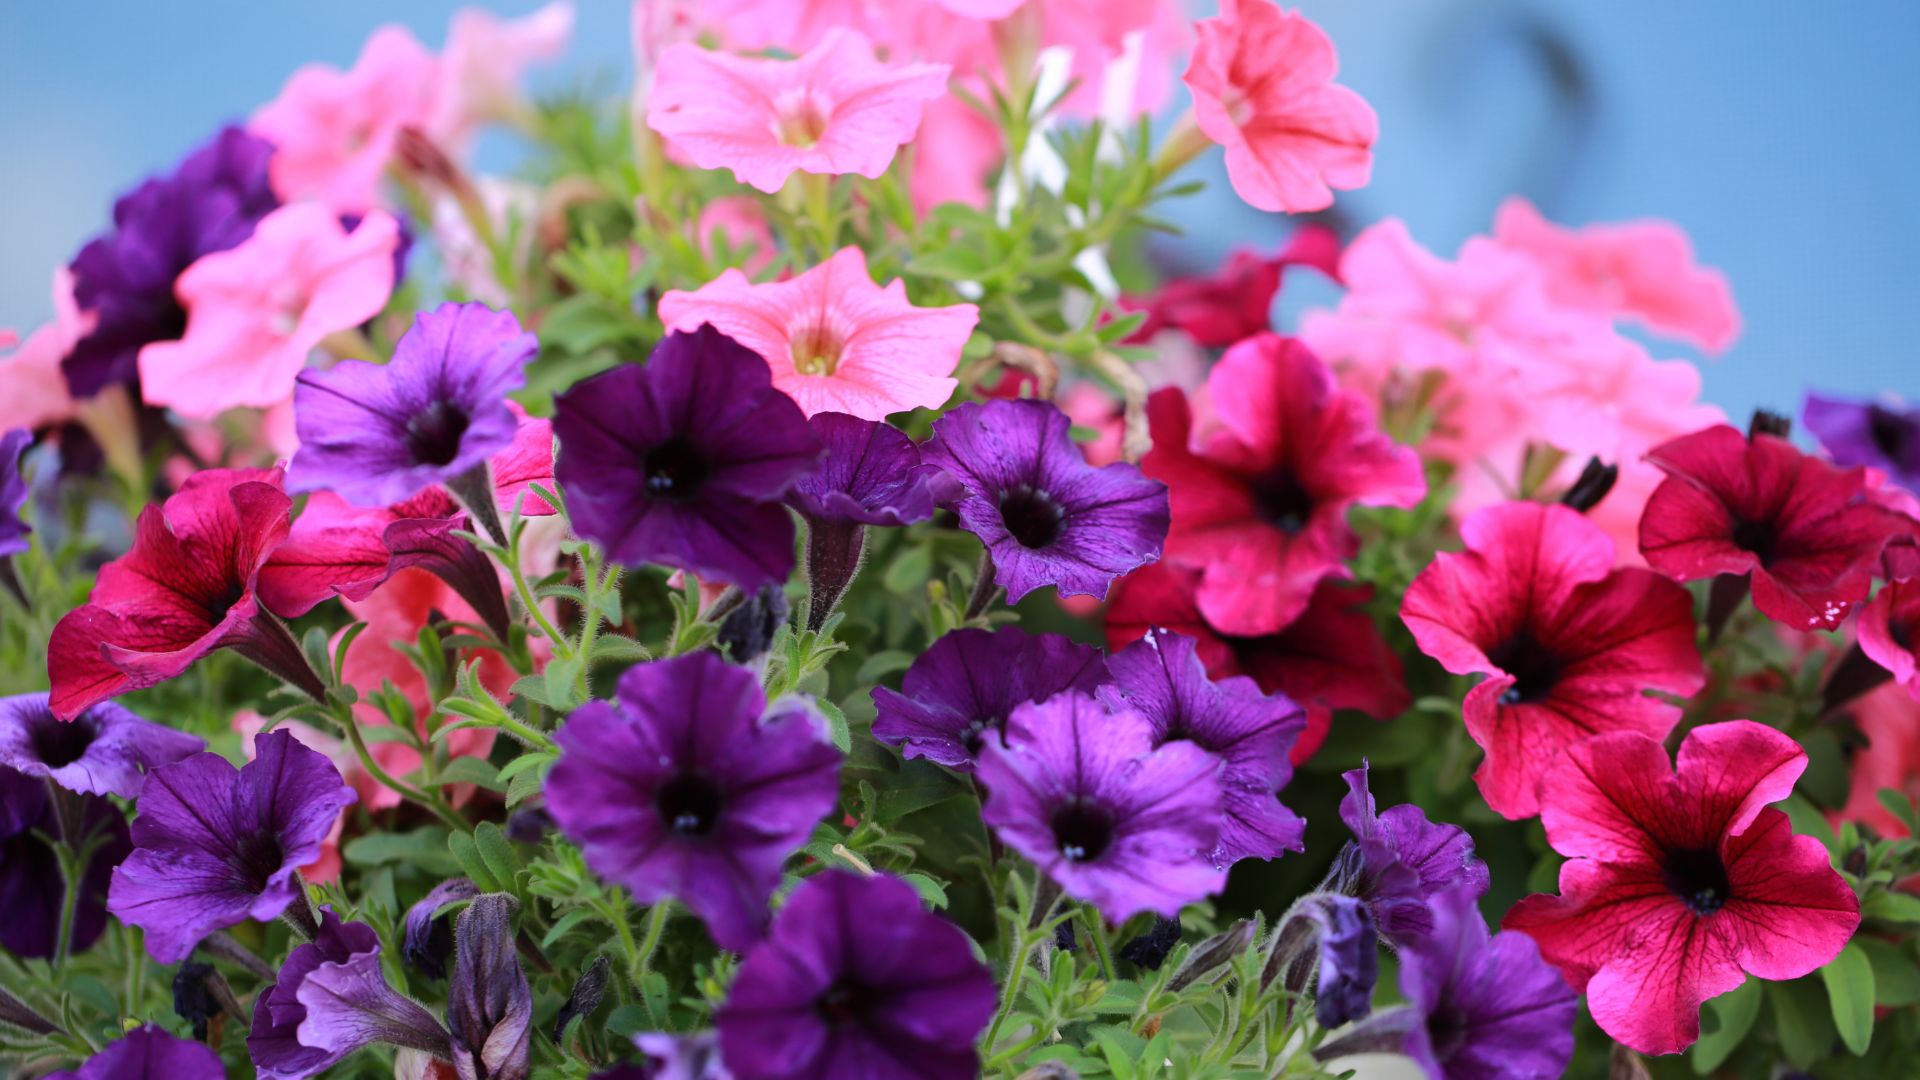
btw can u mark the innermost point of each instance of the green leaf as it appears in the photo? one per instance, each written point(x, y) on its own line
point(1901, 807)
point(836, 724)
point(424, 848)
point(907, 574)
point(953, 263)
point(560, 675)
point(1891, 906)
point(629, 1020)
point(468, 856)
point(882, 664)
point(930, 891)
point(618, 647)
point(1802, 1020)
point(566, 922)
point(497, 852)
point(1896, 977)
point(1849, 979)
point(536, 759)
point(1733, 1014)
point(1808, 819)
point(471, 770)
point(524, 785)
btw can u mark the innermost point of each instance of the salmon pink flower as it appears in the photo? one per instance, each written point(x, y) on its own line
point(835, 341)
point(1569, 643)
point(1260, 501)
point(255, 312)
point(1884, 435)
point(1681, 880)
point(482, 64)
point(1799, 527)
point(833, 110)
point(954, 156)
point(1262, 82)
point(33, 389)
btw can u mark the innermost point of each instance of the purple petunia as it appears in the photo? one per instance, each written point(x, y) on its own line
point(966, 684)
point(215, 845)
point(280, 1013)
point(1045, 515)
point(106, 750)
point(683, 462)
point(675, 1057)
point(1118, 822)
point(856, 981)
point(1162, 676)
point(125, 276)
point(870, 475)
point(489, 1005)
point(689, 786)
point(31, 893)
point(149, 1051)
point(1398, 860)
point(1882, 434)
point(13, 492)
point(376, 434)
point(427, 940)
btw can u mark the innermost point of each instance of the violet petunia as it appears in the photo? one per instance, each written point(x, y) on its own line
point(106, 750)
point(856, 981)
point(1045, 515)
point(31, 891)
point(428, 936)
point(215, 845)
point(688, 785)
point(1162, 676)
point(964, 686)
point(675, 1057)
point(489, 1005)
point(274, 1042)
point(1333, 938)
point(1398, 859)
point(1116, 821)
point(1884, 435)
point(376, 434)
point(870, 475)
point(13, 492)
point(347, 1005)
point(683, 462)
point(149, 1051)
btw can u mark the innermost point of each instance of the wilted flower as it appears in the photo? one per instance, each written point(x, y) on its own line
point(275, 1042)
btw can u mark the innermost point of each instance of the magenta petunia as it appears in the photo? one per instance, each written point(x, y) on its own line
point(1681, 881)
point(1236, 301)
point(1889, 632)
point(106, 750)
point(1798, 527)
point(1569, 644)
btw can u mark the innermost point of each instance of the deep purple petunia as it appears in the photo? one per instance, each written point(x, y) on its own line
point(274, 1042)
point(149, 1051)
point(870, 475)
point(1118, 822)
point(376, 434)
point(215, 845)
point(13, 492)
point(967, 683)
point(106, 750)
point(1398, 860)
point(1162, 676)
point(1046, 516)
point(427, 940)
point(31, 893)
point(683, 462)
point(687, 785)
point(1333, 937)
point(1881, 434)
point(125, 276)
point(489, 1005)
point(856, 981)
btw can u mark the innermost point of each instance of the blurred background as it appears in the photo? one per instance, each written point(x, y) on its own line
point(1780, 135)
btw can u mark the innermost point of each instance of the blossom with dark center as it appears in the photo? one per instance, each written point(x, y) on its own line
point(106, 750)
point(489, 1005)
point(684, 461)
point(1889, 632)
point(1800, 527)
point(1884, 435)
point(186, 589)
point(13, 493)
point(1261, 490)
point(688, 786)
point(149, 1051)
point(856, 981)
point(1569, 643)
point(428, 935)
point(376, 434)
point(215, 845)
point(31, 891)
point(1118, 822)
point(963, 687)
point(1398, 860)
point(1680, 880)
point(1045, 515)
point(125, 277)
point(1252, 733)
point(870, 475)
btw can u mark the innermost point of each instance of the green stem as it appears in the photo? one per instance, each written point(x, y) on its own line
point(657, 917)
point(1010, 992)
point(531, 603)
point(72, 878)
point(1097, 932)
point(405, 790)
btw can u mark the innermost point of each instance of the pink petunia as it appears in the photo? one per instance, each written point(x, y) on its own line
point(1681, 880)
point(1889, 718)
point(334, 131)
point(33, 389)
point(256, 311)
point(484, 59)
point(1568, 643)
point(1889, 629)
point(836, 341)
point(1638, 269)
point(833, 110)
point(1236, 301)
point(955, 155)
point(1262, 82)
point(742, 223)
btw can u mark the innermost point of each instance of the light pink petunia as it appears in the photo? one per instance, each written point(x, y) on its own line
point(255, 312)
point(834, 110)
point(740, 221)
point(956, 152)
point(33, 390)
point(334, 131)
point(1262, 82)
point(836, 341)
point(1637, 269)
point(482, 64)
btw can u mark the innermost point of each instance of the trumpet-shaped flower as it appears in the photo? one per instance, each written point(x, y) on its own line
point(106, 750)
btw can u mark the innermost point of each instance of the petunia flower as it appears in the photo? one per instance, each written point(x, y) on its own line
point(428, 936)
point(963, 687)
point(326, 866)
point(834, 109)
point(1884, 435)
point(834, 340)
point(33, 388)
point(1398, 860)
point(255, 312)
point(334, 131)
point(1045, 515)
point(1569, 644)
point(870, 474)
point(1260, 495)
point(1262, 82)
point(856, 981)
point(32, 890)
point(149, 1051)
point(1252, 733)
point(1642, 270)
point(689, 786)
point(674, 1057)
point(683, 462)
point(188, 587)
point(13, 493)
point(1236, 301)
point(125, 278)
point(481, 67)
point(1889, 632)
point(1119, 823)
point(1681, 880)
point(215, 846)
point(489, 1005)
point(1888, 717)
point(1797, 526)
point(105, 750)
